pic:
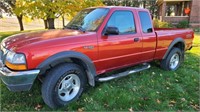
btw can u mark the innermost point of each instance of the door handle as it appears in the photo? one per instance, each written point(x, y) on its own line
point(136, 39)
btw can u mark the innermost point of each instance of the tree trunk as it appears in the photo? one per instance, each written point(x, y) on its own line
point(20, 22)
point(63, 21)
point(45, 23)
point(144, 4)
point(51, 23)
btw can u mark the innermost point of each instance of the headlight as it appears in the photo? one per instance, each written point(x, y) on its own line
point(14, 58)
point(15, 61)
point(9, 56)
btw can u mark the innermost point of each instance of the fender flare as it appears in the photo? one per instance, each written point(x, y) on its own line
point(174, 42)
point(61, 56)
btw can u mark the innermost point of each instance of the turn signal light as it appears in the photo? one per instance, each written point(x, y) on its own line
point(16, 66)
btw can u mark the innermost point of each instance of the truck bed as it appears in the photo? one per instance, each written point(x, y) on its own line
point(166, 35)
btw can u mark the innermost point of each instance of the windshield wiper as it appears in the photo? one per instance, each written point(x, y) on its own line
point(76, 27)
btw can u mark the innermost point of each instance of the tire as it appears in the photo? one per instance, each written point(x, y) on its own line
point(63, 85)
point(173, 60)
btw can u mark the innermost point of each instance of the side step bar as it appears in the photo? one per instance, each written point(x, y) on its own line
point(123, 74)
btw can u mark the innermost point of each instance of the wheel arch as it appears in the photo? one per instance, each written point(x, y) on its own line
point(70, 56)
point(178, 42)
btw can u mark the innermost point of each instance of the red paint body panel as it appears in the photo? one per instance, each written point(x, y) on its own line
point(166, 35)
point(109, 52)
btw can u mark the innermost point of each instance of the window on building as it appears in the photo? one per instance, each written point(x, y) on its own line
point(177, 8)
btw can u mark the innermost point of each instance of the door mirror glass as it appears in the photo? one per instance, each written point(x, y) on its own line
point(112, 31)
point(149, 30)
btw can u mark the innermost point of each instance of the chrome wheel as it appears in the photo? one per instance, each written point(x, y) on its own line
point(69, 87)
point(174, 61)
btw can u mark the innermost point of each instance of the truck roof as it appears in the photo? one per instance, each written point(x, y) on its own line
point(118, 7)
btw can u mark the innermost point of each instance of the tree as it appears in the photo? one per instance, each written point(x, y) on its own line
point(14, 7)
point(42, 9)
point(72, 7)
point(20, 10)
point(149, 4)
point(5, 7)
point(132, 3)
point(81, 4)
point(48, 10)
point(36, 11)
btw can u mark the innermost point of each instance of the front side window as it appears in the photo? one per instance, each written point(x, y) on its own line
point(145, 22)
point(123, 20)
point(88, 19)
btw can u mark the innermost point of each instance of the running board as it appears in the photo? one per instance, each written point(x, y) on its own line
point(123, 74)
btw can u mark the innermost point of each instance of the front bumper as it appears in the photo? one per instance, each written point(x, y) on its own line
point(17, 81)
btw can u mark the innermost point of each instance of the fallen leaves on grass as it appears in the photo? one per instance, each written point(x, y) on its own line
point(80, 109)
point(182, 99)
point(157, 92)
point(172, 102)
point(158, 101)
point(38, 107)
point(196, 107)
point(130, 110)
point(106, 105)
point(145, 98)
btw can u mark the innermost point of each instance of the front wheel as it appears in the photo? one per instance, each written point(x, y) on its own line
point(64, 84)
point(173, 60)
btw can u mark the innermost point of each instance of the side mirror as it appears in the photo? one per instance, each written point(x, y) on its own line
point(111, 31)
point(149, 30)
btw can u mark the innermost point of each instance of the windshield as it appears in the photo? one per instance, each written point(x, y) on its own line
point(88, 19)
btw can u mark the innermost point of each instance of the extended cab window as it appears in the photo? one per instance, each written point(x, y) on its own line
point(145, 22)
point(123, 20)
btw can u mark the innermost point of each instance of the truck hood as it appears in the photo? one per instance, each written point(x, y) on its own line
point(20, 40)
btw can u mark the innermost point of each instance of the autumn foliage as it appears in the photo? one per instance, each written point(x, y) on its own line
point(48, 10)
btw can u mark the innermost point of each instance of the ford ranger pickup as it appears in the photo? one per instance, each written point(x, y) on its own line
point(98, 40)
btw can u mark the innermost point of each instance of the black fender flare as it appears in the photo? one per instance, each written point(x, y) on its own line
point(61, 56)
point(174, 42)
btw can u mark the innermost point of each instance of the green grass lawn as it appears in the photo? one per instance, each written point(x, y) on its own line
point(152, 90)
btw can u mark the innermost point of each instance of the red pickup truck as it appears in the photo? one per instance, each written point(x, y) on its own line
point(98, 40)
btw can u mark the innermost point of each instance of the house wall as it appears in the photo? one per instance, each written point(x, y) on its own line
point(176, 19)
point(162, 8)
point(195, 14)
point(193, 18)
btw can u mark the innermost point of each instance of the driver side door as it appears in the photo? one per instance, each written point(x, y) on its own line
point(118, 51)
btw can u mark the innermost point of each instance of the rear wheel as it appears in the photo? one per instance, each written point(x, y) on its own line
point(63, 84)
point(173, 60)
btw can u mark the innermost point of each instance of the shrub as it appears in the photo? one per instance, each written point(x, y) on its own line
point(183, 24)
point(159, 24)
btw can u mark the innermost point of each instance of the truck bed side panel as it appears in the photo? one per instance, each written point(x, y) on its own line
point(166, 36)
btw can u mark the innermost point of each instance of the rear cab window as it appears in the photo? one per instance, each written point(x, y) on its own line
point(145, 22)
